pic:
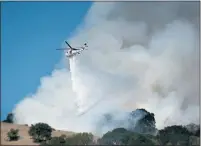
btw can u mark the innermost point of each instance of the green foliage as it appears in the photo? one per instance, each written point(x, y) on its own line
point(40, 132)
point(174, 134)
point(146, 124)
point(9, 118)
point(140, 139)
point(120, 130)
point(61, 140)
point(175, 129)
point(80, 139)
point(76, 139)
point(122, 136)
point(140, 121)
point(13, 134)
point(139, 132)
point(110, 137)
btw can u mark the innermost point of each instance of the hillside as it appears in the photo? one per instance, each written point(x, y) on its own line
point(25, 139)
point(143, 131)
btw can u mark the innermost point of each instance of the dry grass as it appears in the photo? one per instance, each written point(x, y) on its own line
point(25, 139)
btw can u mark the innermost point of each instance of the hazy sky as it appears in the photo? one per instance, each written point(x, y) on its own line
point(31, 31)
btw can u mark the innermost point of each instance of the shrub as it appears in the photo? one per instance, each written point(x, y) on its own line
point(40, 132)
point(61, 140)
point(80, 139)
point(76, 139)
point(13, 135)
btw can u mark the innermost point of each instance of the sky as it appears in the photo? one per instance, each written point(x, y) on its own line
point(31, 31)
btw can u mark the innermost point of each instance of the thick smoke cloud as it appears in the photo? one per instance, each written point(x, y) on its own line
point(140, 55)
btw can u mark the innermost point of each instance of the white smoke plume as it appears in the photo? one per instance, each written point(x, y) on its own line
point(140, 55)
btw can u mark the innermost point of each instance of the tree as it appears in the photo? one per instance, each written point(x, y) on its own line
point(176, 129)
point(13, 134)
point(121, 136)
point(119, 130)
point(145, 123)
point(9, 118)
point(116, 136)
point(174, 134)
point(193, 128)
point(40, 132)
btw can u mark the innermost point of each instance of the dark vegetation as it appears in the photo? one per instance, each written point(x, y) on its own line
point(13, 135)
point(40, 132)
point(76, 139)
point(140, 132)
point(172, 135)
point(145, 125)
point(9, 118)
